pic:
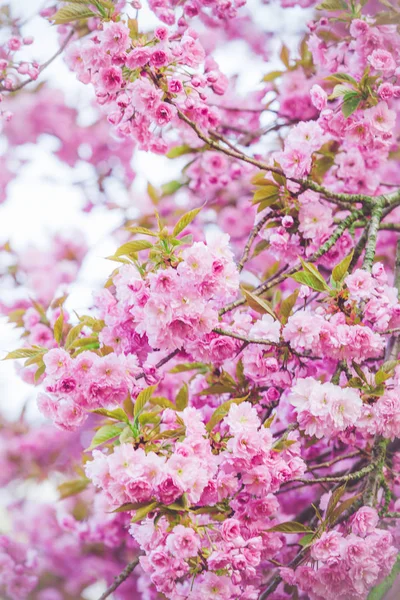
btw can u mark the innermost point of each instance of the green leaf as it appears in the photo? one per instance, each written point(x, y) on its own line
point(58, 328)
point(23, 353)
point(142, 399)
point(379, 592)
point(133, 247)
point(345, 505)
point(332, 5)
point(142, 230)
point(341, 269)
point(258, 304)
point(179, 151)
point(306, 540)
point(39, 372)
point(104, 434)
point(338, 91)
point(291, 527)
point(163, 402)
point(285, 55)
point(216, 389)
point(286, 307)
point(70, 488)
point(142, 512)
point(185, 220)
point(183, 367)
point(67, 14)
point(128, 506)
point(73, 334)
point(381, 377)
point(182, 398)
point(308, 279)
point(171, 187)
point(222, 411)
point(390, 365)
point(269, 421)
point(310, 268)
point(118, 414)
point(153, 194)
point(282, 445)
point(265, 192)
point(334, 500)
point(351, 102)
point(272, 75)
point(342, 77)
point(359, 372)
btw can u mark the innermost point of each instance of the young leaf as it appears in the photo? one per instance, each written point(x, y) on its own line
point(308, 279)
point(142, 399)
point(23, 353)
point(142, 513)
point(178, 151)
point(334, 500)
point(163, 402)
point(272, 75)
point(342, 77)
point(345, 505)
point(73, 334)
point(285, 55)
point(310, 268)
point(341, 269)
point(185, 220)
point(258, 304)
point(142, 230)
point(221, 412)
point(189, 367)
point(67, 14)
point(104, 434)
point(133, 247)
point(58, 328)
point(351, 102)
point(291, 527)
point(182, 398)
point(118, 414)
point(70, 488)
point(287, 305)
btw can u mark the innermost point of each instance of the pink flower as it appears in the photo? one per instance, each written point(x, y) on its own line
point(318, 97)
point(382, 60)
point(168, 489)
point(364, 521)
point(183, 542)
point(115, 37)
point(360, 284)
point(381, 118)
point(111, 79)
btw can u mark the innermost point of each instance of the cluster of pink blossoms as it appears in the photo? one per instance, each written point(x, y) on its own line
point(173, 307)
point(141, 86)
point(11, 67)
point(17, 569)
point(75, 386)
point(245, 474)
point(251, 418)
point(347, 566)
point(324, 409)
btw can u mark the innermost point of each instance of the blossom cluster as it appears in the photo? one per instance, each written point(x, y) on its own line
point(348, 565)
point(143, 86)
point(172, 307)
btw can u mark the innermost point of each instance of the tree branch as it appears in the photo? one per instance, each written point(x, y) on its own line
point(120, 579)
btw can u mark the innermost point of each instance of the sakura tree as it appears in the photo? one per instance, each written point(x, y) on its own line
point(223, 420)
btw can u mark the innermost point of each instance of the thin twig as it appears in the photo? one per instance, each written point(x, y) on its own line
point(120, 579)
point(42, 67)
